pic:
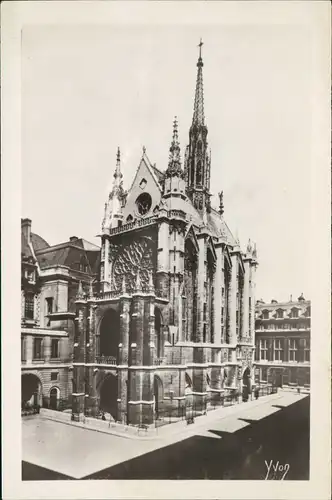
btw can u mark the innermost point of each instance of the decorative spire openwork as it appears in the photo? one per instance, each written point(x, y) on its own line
point(198, 117)
point(221, 202)
point(117, 173)
point(254, 252)
point(174, 162)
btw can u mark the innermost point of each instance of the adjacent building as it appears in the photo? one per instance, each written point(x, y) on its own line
point(283, 343)
point(173, 322)
point(50, 277)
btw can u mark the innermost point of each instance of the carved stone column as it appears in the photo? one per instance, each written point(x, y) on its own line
point(218, 285)
point(246, 295)
point(90, 378)
point(47, 348)
point(232, 300)
point(79, 360)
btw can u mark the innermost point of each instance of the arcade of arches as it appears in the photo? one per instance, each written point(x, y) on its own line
point(109, 334)
point(108, 393)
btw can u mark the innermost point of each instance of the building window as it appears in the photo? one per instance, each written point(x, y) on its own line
point(249, 302)
point(264, 375)
point(204, 333)
point(280, 313)
point(293, 349)
point(222, 291)
point(204, 312)
point(278, 350)
point(49, 305)
point(22, 349)
point(306, 350)
point(54, 375)
point(222, 315)
point(37, 348)
point(265, 314)
point(29, 305)
point(55, 348)
point(263, 350)
point(294, 313)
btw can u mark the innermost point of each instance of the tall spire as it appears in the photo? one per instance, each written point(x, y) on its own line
point(198, 117)
point(198, 159)
point(113, 206)
point(117, 173)
point(174, 162)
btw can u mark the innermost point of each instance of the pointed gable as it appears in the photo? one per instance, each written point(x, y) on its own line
point(145, 183)
point(190, 235)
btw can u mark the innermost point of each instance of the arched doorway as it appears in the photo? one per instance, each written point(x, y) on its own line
point(158, 394)
point(109, 334)
point(246, 385)
point(31, 390)
point(54, 398)
point(158, 328)
point(109, 395)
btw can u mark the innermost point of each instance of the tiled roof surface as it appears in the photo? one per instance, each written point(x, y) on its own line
point(215, 223)
point(38, 242)
point(160, 175)
point(71, 254)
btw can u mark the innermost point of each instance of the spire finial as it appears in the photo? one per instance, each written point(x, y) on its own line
point(221, 202)
point(118, 174)
point(80, 293)
point(198, 118)
point(138, 280)
point(90, 289)
point(200, 49)
point(144, 150)
point(123, 284)
point(254, 252)
point(174, 162)
point(249, 247)
point(151, 286)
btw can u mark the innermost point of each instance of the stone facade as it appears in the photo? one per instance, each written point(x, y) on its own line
point(50, 279)
point(283, 343)
point(173, 321)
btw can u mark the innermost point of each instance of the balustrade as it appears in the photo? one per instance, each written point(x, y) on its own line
point(106, 360)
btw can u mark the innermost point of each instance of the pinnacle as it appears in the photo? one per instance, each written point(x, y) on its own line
point(174, 163)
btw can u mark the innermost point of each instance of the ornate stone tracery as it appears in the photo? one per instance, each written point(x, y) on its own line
point(136, 256)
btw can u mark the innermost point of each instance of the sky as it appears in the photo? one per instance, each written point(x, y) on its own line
point(88, 89)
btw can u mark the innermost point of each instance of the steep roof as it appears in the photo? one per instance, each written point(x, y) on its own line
point(158, 173)
point(70, 254)
point(38, 242)
point(215, 223)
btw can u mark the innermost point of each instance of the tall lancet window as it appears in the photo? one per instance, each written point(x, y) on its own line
point(210, 293)
point(190, 292)
point(199, 176)
point(227, 274)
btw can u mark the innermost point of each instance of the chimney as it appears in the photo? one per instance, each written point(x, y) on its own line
point(73, 238)
point(26, 229)
point(291, 298)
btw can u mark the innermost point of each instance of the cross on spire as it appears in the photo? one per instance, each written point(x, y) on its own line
point(200, 48)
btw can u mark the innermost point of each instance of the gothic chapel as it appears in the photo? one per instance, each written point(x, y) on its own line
point(172, 323)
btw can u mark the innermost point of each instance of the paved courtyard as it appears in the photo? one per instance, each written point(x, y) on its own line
point(78, 452)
